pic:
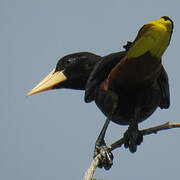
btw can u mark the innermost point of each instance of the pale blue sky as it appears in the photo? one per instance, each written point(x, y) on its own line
point(51, 135)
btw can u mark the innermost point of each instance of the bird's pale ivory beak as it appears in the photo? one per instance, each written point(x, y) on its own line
point(52, 79)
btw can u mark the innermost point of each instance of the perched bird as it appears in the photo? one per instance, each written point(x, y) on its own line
point(130, 91)
point(72, 71)
point(121, 100)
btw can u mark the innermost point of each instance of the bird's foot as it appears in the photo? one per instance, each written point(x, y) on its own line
point(133, 138)
point(106, 159)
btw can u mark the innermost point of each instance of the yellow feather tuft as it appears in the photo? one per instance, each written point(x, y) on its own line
point(153, 37)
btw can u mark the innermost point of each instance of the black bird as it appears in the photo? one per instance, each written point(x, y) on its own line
point(72, 71)
point(129, 87)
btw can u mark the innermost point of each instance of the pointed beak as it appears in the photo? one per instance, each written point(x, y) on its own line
point(52, 79)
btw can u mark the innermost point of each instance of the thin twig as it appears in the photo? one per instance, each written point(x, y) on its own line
point(153, 130)
point(91, 170)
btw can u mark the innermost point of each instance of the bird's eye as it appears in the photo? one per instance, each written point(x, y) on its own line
point(70, 60)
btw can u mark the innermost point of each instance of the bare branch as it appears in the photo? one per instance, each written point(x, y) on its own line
point(153, 130)
point(91, 170)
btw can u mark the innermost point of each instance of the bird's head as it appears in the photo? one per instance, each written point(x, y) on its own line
point(72, 71)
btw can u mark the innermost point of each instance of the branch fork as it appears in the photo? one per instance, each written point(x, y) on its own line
point(153, 130)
